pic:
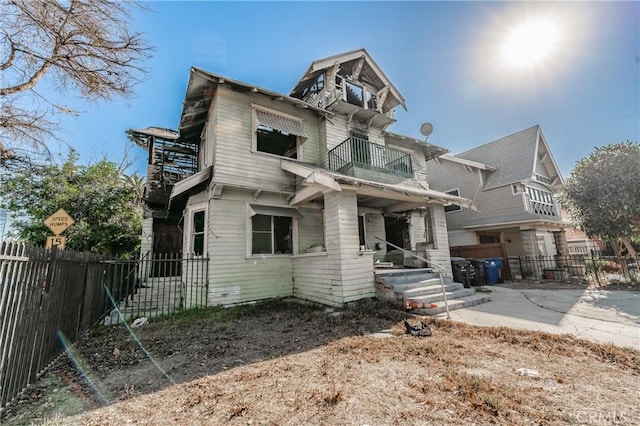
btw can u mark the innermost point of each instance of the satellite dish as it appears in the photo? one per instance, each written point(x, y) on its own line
point(426, 129)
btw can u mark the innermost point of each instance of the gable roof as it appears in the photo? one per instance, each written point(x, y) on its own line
point(369, 71)
point(513, 157)
point(200, 92)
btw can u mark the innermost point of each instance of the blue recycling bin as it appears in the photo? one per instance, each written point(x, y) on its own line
point(492, 267)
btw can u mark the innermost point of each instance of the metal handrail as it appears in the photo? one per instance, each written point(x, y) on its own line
point(360, 152)
point(438, 267)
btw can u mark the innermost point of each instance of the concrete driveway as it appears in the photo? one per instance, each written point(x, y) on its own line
point(603, 316)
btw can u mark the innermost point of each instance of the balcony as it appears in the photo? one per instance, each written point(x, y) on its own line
point(541, 208)
point(362, 159)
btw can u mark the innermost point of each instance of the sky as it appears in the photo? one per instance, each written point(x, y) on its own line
point(446, 58)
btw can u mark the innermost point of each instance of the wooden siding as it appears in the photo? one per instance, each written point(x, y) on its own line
point(317, 278)
point(341, 224)
point(234, 162)
point(343, 274)
point(146, 242)
point(541, 169)
point(440, 255)
point(210, 136)
point(495, 205)
point(336, 131)
point(234, 277)
point(374, 226)
point(310, 229)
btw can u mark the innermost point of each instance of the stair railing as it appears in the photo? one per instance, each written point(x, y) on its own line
point(439, 268)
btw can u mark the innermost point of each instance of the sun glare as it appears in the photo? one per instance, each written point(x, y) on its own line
point(530, 44)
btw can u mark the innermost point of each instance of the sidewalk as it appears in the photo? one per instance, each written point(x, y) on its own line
point(603, 316)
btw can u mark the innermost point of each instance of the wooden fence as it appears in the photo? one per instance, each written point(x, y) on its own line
point(46, 295)
point(481, 251)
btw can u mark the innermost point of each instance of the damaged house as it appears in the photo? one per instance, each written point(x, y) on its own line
point(286, 194)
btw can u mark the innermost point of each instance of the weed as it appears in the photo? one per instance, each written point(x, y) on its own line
point(333, 398)
point(238, 410)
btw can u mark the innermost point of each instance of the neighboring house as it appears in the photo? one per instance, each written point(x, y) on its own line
point(513, 182)
point(579, 242)
point(285, 194)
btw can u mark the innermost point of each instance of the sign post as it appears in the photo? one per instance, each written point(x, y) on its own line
point(58, 223)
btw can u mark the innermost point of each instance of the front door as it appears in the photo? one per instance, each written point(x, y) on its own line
point(396, 230)
point(360, 153)
point(167, 249)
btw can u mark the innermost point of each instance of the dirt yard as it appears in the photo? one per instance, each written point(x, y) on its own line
point(282, 362)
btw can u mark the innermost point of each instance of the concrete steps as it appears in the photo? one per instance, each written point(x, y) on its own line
point(423, 287)
point(458, 303)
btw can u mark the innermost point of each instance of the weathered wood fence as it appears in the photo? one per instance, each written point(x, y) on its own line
point(49, 294)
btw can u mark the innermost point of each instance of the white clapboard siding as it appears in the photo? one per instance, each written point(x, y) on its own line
point(374, 227)
point(310, 229)
point(337, 131)
point(494, 205)
point(234, 277)
point(235, 161)
point(316, 278)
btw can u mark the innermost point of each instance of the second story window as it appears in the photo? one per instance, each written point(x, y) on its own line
point(452, 207)
point(277, 134)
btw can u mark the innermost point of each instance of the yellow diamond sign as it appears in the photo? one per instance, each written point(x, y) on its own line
point(59, 221)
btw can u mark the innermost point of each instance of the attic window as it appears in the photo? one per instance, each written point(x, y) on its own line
point(277, 134)
point(543, 179)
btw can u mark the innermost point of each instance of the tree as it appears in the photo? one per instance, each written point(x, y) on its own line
point(82, 46)
point(603, 195)
point(103, 203)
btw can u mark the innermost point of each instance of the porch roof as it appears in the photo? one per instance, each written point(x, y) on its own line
point(183, 186)
point(401, 196)
point(526, 223)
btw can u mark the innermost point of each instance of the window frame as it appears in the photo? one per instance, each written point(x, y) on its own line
point(453, 207)
point(192, 211)
point(249, 235)
point(255, 124)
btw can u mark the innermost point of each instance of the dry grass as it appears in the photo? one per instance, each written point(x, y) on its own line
point(283, 363)
point(460, 375)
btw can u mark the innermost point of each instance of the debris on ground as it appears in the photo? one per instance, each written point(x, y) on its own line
point(420, 330)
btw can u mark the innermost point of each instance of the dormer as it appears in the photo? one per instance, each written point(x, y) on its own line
point(350, 83)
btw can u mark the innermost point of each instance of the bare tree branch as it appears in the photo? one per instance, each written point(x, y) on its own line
point(81, 46)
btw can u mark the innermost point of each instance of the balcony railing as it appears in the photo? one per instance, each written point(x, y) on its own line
point(540, 208)
point(357, 152)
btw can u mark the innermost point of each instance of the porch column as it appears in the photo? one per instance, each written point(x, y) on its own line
point(353, 270)
point(530, 250)
point(560, 238)
point(416, 228)
point(562, 248)
point(529, 243)
point(341, 223)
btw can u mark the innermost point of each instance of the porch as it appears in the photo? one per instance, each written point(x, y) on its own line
point(353, 212)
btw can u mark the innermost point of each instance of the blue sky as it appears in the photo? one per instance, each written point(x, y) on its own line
point(442, 56)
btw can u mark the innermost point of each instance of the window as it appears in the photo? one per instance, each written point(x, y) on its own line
point(271, 234)
point(197, 233)
point(453, 207)
point(540, 201)
point(277, 134)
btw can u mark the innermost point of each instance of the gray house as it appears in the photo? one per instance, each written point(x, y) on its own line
point(513, 181)
point(285, 194)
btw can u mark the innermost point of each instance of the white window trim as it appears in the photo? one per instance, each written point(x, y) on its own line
point(249, 235)
point(191, 210)
point(455, 195)
point(254, 127)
